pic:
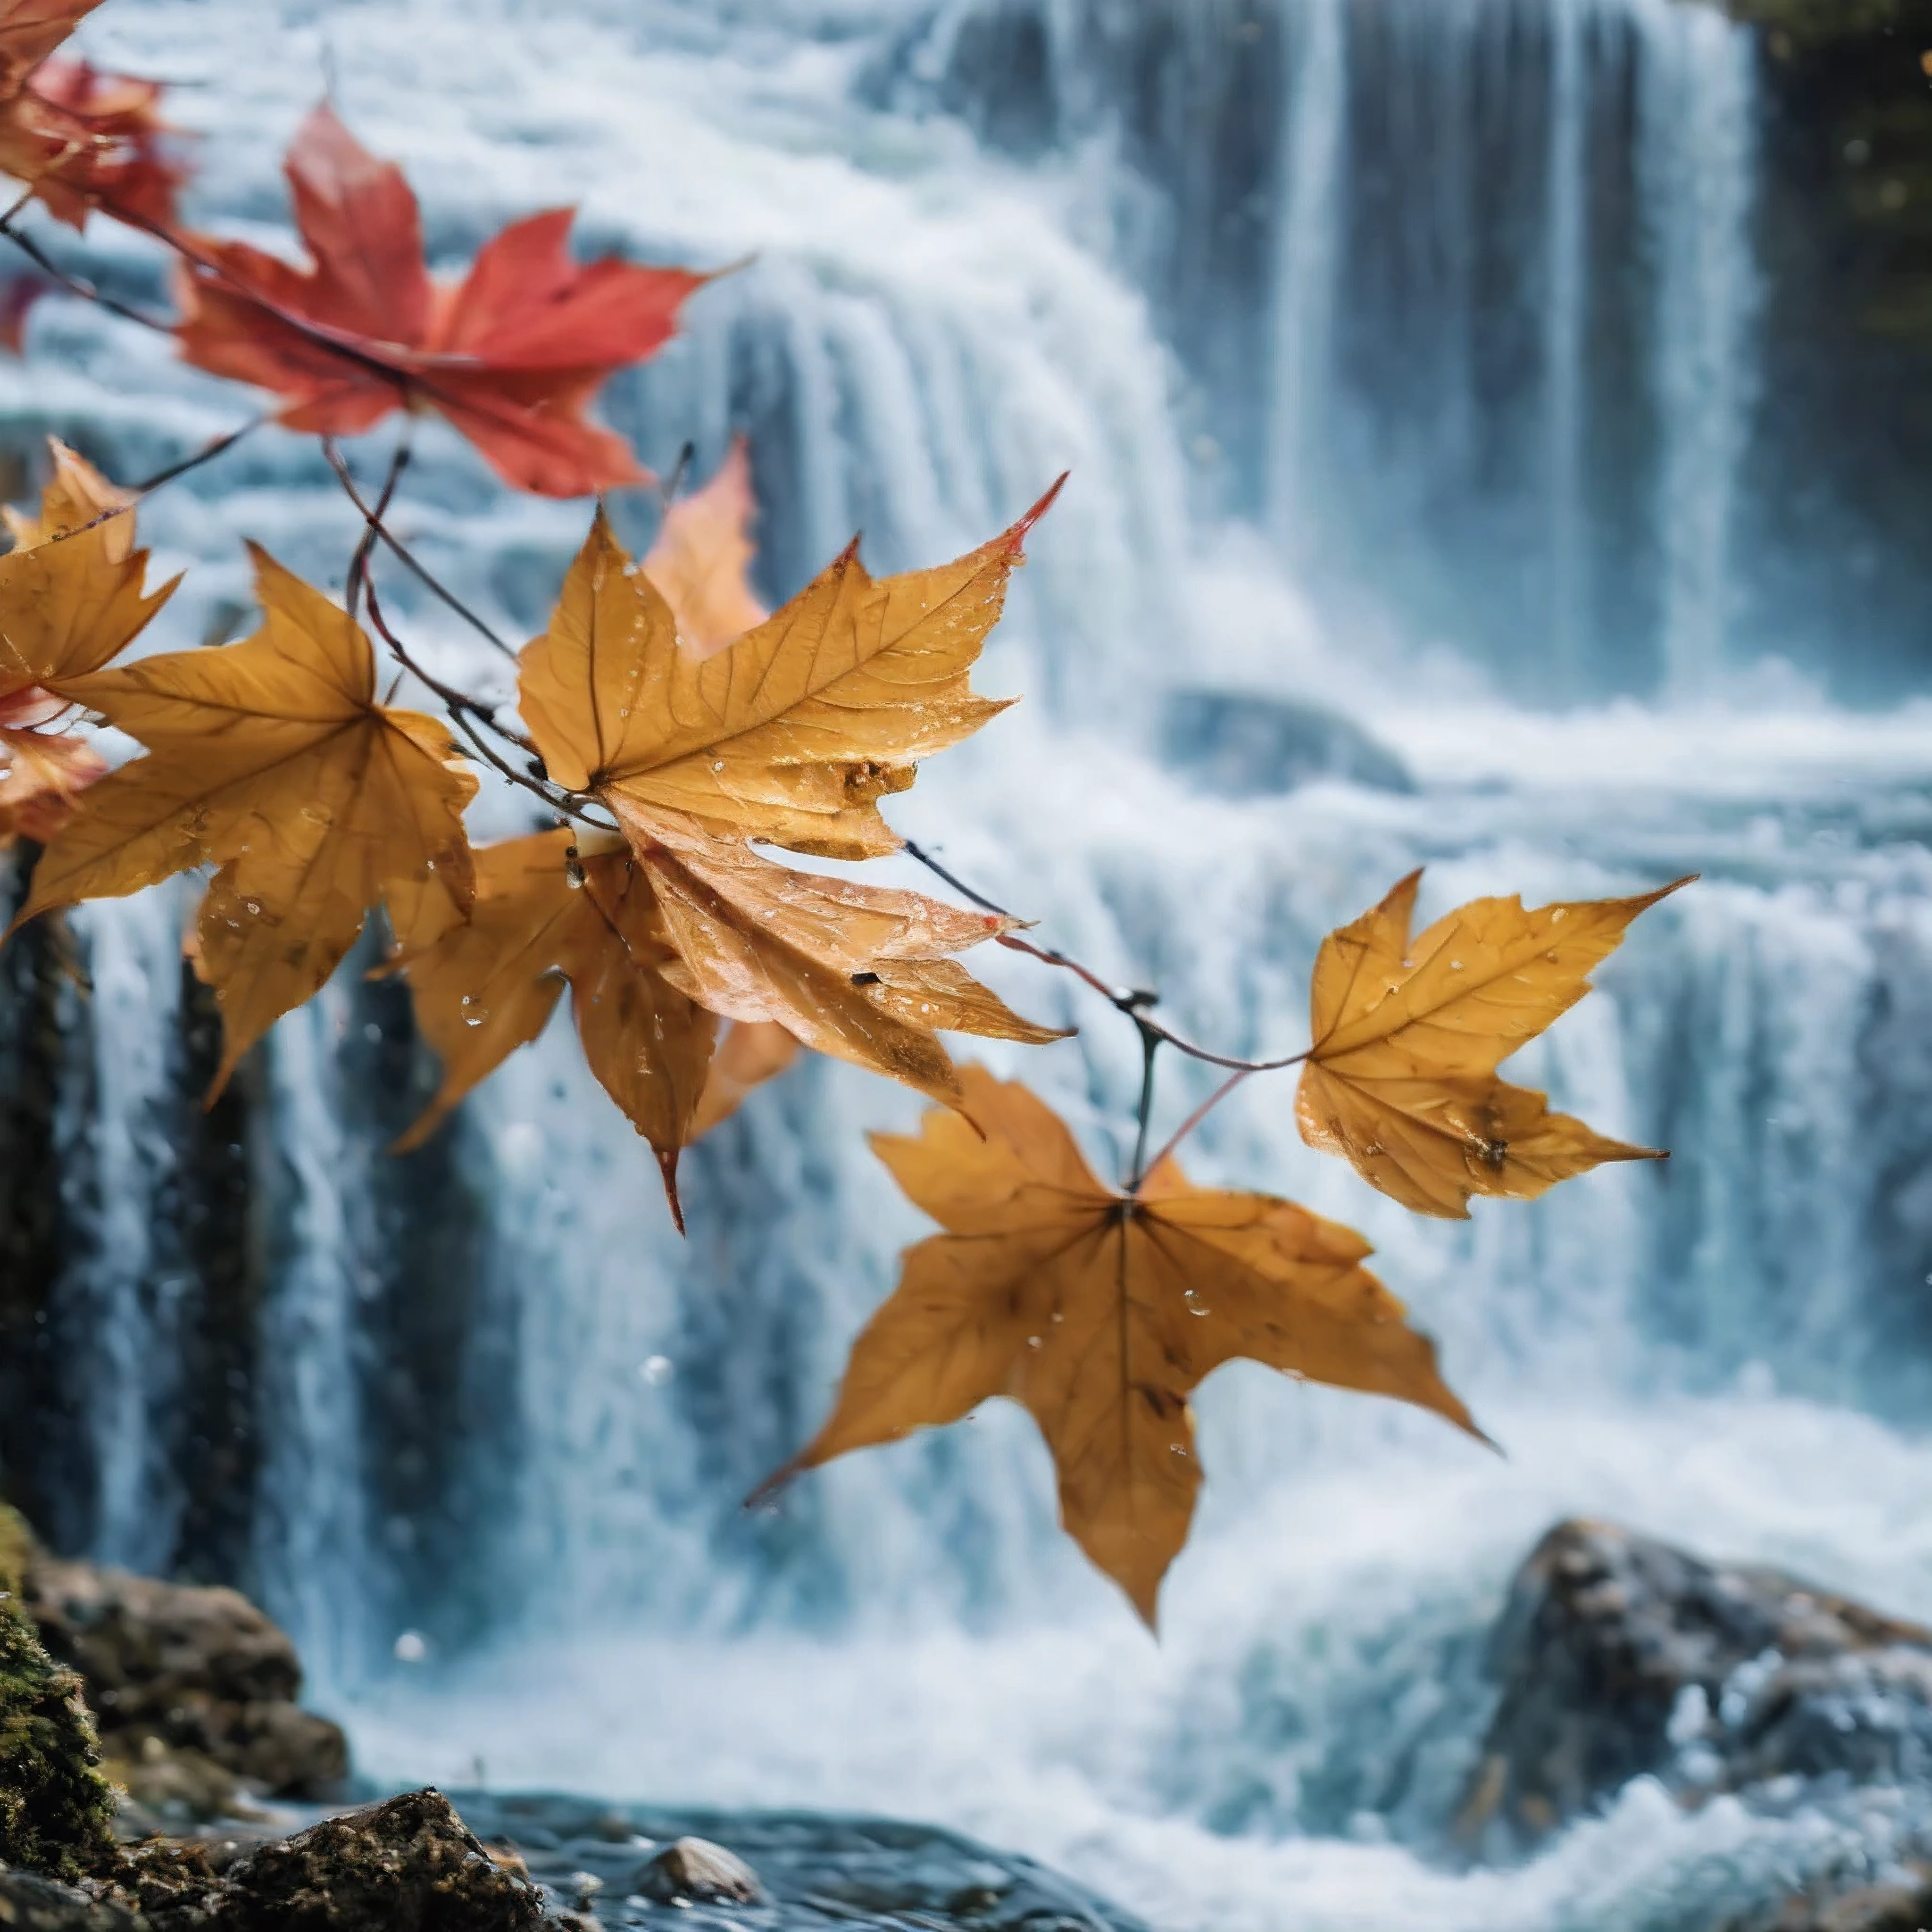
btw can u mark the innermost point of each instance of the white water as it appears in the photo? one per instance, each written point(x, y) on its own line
point(930, 331)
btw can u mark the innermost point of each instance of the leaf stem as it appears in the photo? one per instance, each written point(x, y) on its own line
point(372, 515)
point(139, 493)
point(1151, 1045)
point(75, 285)
point(1132, 1002)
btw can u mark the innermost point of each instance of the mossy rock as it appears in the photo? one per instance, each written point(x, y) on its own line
point(55, 1808)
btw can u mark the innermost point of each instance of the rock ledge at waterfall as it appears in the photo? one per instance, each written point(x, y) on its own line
point(1619, 1656)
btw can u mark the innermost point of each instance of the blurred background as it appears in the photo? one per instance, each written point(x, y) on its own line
point(1501, 440)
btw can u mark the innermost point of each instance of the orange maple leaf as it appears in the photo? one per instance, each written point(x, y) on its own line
point(1100, 1313)
point(81, 139)
point(510, 355)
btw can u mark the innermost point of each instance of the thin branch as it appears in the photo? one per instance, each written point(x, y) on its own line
point(461, 709)
point(1151, 1045)
point(365, 544)
point(1193, 1121)
point(76, 285)
point(1131, 1001)
point(373, 517)
point(139, 493)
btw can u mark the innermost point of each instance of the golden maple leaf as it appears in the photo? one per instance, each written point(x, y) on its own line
point(701, 560)
point(792, 733)
point(68, 607)
point(1402, 1082)
point(271, 759)
point(789, 733)
point(862, 973)
point(41, 775)
point(552, 910)
point(1101, 1313)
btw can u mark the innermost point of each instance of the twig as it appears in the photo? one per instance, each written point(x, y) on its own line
point(1192, 1121)
point(1132, 1002)
point(373, 517)
point(75, 285)
point(460, 708)
point(365, 545)
point(1150, 1043)
point(138, 493)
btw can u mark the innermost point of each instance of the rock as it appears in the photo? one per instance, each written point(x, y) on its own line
point(1619, 1656)
point(191, 1686)
point(31, 1904)
point(409, 1865)
point(1240, 745)
point(56, 1810)
point(694, 1868)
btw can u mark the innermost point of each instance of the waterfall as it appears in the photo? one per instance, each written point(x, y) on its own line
point(1309, 260)
point(1698, 112)
point(1427, 370)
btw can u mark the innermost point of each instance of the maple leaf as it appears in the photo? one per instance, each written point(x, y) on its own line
point(1401, 1081)
point(68, 607)
point(701, 560)
point(794, 732)
point(789, 733)
point(512, 355)
point(751, 1053)
point(41, 775)
point(1101, 1313)
point(80, 139)
point(271, 759)
point(555, 909)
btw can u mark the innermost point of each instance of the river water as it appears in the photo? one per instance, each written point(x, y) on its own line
point(1404, 357)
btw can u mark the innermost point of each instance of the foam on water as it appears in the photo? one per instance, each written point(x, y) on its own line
point(935, 324)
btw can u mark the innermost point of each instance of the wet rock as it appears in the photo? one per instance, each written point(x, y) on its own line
point(694, 1868)
point(1619, 1656)
point(409, 1865)
point(194, 1688)
point(31, 1904)
point(1240, 745)
point(55, 1808)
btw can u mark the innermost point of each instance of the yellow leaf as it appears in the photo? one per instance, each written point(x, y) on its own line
point(1101, 1313)
point(485, 989)
point(43, 774)
point(271, 759)
point(1402, 1082)
point(75, 494)
point(844, 967)
point(751, 1053)
point(792, 733)
point(67, 608)
point(701, 560)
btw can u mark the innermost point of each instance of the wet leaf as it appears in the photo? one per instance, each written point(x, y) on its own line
point(794, 732)
point(271, 759)
point(1101, 1313)
point(41, 775)
point(1402, 1082)
point(701, 561)
point(510, 355)
point(79, 139)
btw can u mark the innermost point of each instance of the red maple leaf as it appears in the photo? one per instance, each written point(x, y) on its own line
point(79, 139)
point(511, 354)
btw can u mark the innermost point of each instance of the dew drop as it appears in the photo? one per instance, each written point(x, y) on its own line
point(412, 1647)
point(1033, 1342)
point(656, 1371)
point(475, 1013)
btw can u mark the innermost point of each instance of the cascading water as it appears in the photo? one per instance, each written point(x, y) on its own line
point(1399, 350)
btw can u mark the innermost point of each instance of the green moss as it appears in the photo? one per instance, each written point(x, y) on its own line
point(16, 1544)
point(56, 1810)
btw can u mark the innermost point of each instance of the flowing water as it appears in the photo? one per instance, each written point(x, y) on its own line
point(1403, 355)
